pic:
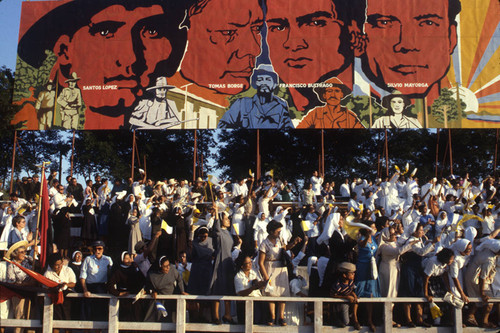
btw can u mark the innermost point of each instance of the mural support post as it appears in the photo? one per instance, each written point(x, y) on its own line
point(133, 154)
point(386, 155)
point(496, 153)
point(451, 151)
point(195, 154)
point(72, 154)
point(437, 153)
point(13, 163)
point(323, 153)
point(258, 155)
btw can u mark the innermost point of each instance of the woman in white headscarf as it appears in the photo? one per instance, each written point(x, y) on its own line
point(280, 216)
point(389, 252)
point(479, 276)
point(462, 249)
point(411, 282)
point(259, 227)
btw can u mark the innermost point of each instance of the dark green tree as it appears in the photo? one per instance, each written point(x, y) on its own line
point(445, 108)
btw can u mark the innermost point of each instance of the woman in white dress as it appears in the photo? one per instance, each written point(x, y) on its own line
point(395, 104)
point(273, 271)
point(389, 252)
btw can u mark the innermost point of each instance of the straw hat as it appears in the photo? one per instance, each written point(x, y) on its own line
point(14, 247)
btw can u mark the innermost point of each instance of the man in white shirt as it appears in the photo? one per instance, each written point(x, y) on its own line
point(240, 188)
point(316, 181)
point(60, 199)
point(182, 190)
point(345, 191)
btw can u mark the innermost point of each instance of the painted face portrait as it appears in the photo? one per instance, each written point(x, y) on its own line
point(224, 40)
point(397, 105)
point(300, 35)
point(126, 46)
point(117, 48)
point(333, 95)
point(408, 42)
point(265, 84)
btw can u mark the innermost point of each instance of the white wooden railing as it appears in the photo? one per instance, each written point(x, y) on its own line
point(113, 325)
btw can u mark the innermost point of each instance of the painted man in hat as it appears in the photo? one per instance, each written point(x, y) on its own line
point(45, 106)
point(70, 102)
point(397, 115)
point(332, 114)
point(158, 112)
point(117, 47)
point(264, 109)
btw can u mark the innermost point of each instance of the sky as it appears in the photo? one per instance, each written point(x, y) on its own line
point(10, 14)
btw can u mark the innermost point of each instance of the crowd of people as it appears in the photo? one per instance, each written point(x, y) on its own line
point(398, 236)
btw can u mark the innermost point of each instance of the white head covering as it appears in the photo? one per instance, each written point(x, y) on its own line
point(491, 244)
point(410, 229)
point(278, 211)
point(460, 245)
point(470, 233)
point(73, 257)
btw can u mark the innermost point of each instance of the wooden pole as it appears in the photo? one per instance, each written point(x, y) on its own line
point(444, 158)
point(60, 167)
point(201, 167)
point(437, 153)
point(370, 107)
point(258, 155)
point(323, 153)
point(496, 153)
point(195, 155)
point(386, 155)
point(378, 166)
point(72, 154)
point(39, 211)
point(426, 116)
point(133, 154)
point(137, 154)
point(451, 151)
point(13, 163)
point(319, 163)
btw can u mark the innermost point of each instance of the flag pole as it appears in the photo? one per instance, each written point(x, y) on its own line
point(133, 154)
point(72, 154)
point(13, 163)
point(39, 215)
point(195, 155)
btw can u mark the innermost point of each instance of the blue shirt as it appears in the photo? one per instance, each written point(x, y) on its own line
point(96, 270)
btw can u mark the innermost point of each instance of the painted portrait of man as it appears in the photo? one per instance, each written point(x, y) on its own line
point(409, 43)
point(117, 47)
point(312, 41)
point(224, 40)
point(264, 110)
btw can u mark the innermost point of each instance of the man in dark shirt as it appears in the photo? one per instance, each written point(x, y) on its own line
point(76, 190)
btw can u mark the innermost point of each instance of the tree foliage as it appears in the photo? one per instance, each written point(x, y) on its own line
point(445, 108)
point(167, 153)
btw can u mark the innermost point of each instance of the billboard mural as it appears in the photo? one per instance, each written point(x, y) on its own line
point(269, 64)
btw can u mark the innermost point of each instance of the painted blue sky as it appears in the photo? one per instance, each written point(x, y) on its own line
point(10, 13)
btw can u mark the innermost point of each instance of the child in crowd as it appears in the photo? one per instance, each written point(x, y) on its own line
point(343, 287)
